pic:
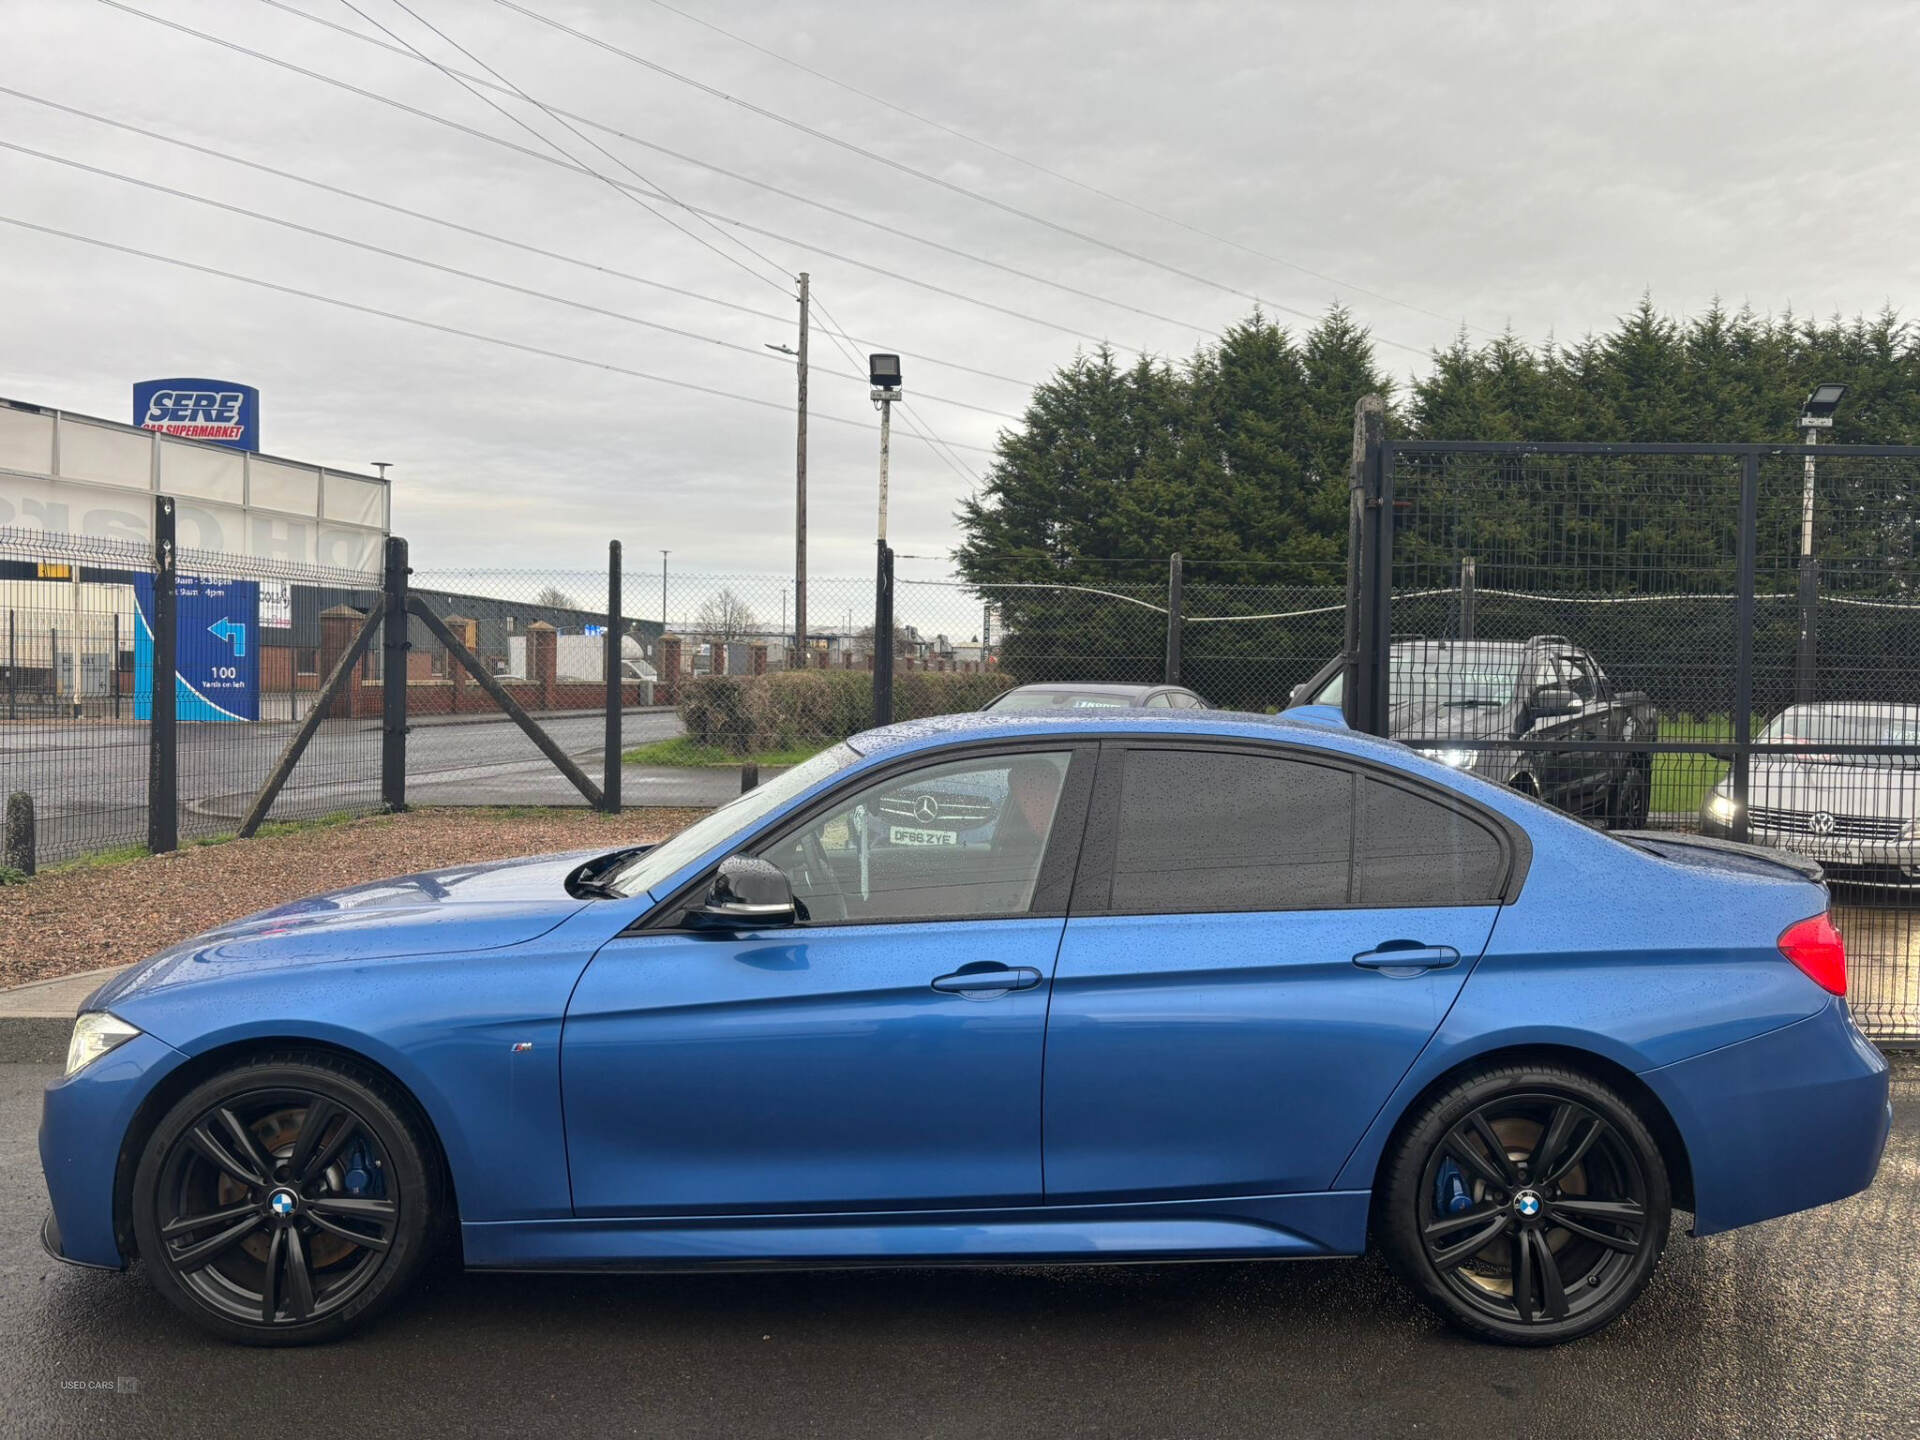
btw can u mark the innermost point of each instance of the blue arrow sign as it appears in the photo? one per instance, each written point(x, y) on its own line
point(234, 635)
point(218, 673)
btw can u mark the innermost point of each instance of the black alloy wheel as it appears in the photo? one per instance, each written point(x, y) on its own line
point(1527, 1204)
point(282, 1201)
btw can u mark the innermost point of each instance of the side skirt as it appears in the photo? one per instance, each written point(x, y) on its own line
point(1255, 1227)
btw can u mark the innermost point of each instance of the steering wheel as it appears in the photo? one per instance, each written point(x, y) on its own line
point(826, 902)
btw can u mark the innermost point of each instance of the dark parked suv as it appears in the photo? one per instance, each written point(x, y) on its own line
point(1545, 688)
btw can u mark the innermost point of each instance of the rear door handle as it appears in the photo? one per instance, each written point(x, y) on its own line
point(1409, 957)
point(988, 981)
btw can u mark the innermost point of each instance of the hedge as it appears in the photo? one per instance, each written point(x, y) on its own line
point(790, 709)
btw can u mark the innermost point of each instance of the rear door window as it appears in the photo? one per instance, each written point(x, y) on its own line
point(1203, 830)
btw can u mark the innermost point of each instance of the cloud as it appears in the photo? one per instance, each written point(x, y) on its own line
point(1496, 165)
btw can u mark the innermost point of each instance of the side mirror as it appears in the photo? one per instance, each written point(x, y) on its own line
point(1549, 700)
point(746, 894)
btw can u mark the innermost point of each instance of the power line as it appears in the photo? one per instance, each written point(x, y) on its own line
point(905, 169)
point(813, 202)
point(402, 5)
point(833, 331)
point(1046, 170)
point(757, 352)
point(435, 325)
point(575, 166)
point(550, 143)
point(460, 228)
point(837, 334)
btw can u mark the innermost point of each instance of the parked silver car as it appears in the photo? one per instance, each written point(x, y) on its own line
point(1857, 814)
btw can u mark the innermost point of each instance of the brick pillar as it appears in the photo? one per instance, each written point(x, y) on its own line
point(667, 690)
point(338, 626)
point(820, 658)
point(467, 632)
point(718, 650)
point(543, 660)
point(758, 650)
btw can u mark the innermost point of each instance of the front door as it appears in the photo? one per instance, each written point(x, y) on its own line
point(883, 1053)
point(1260, 946)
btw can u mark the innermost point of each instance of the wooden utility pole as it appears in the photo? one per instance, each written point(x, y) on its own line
point(800, 656)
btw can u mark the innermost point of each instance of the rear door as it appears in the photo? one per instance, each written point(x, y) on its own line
point(1260, 943)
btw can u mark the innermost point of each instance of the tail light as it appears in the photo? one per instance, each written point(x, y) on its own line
point(1816, 947)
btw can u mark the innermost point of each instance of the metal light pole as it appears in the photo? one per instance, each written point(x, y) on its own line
point(663, 591)
point(883, 371)
point(1815, 415)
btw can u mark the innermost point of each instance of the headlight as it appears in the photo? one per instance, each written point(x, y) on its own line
point(1458, 759)
point(1912, 830)
point(1722, 807)
point(94, 1034)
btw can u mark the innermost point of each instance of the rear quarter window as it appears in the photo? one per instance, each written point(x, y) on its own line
point(1414, 850)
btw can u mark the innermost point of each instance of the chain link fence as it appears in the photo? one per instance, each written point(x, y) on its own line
point(1719, 640)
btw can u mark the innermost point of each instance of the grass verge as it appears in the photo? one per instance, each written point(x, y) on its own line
point(681, 751)
point(1681, 782)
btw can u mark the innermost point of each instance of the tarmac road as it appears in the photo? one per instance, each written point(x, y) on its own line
point(1803, 1326)
point(88, 780)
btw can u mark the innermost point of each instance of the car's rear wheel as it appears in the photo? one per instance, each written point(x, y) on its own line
point(284, 1201)
point(1527, 1204)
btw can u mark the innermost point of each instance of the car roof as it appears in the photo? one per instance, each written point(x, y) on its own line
point(910, 735)
point(1065, 687)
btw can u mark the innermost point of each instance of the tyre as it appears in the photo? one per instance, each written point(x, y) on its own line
point(1632, 793)
point(285, 1201)
point(1527, 1204)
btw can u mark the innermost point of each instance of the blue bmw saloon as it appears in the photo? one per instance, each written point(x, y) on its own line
point(1185, 986)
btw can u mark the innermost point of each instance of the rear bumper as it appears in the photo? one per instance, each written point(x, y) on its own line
point(1786, 1121)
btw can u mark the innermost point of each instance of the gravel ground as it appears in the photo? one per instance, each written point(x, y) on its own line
point(83, 919)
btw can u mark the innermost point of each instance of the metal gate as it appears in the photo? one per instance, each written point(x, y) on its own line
point(1722, 639)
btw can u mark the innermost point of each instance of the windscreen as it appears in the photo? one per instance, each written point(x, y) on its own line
point(1460, 676)
point(1061, 700)
point(650, 867)
point(1814, 726)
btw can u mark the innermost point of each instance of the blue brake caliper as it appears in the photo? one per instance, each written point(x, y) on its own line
point(363, 1174)
point(1450, 1193)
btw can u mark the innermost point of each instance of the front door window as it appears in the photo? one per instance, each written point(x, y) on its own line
point(962, 840)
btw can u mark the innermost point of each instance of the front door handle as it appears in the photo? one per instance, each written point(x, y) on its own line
point(1408, 957)
point(986, 981)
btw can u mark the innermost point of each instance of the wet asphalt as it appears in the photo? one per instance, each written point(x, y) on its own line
point(1804, 1326)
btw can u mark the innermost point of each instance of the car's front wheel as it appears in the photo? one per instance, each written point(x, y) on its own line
point(284, 1201)
point(1527, 1204)
point(1628, 806)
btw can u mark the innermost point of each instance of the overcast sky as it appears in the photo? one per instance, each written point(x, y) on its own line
point(1529, 165)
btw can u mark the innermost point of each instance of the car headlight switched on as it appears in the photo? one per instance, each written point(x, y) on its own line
point(1458, 759)
point(1722, 807)
point(94, 1034)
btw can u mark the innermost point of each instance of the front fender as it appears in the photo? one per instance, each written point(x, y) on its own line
point(475, 1039)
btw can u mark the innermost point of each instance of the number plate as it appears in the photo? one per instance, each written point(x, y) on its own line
point(907, 835)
